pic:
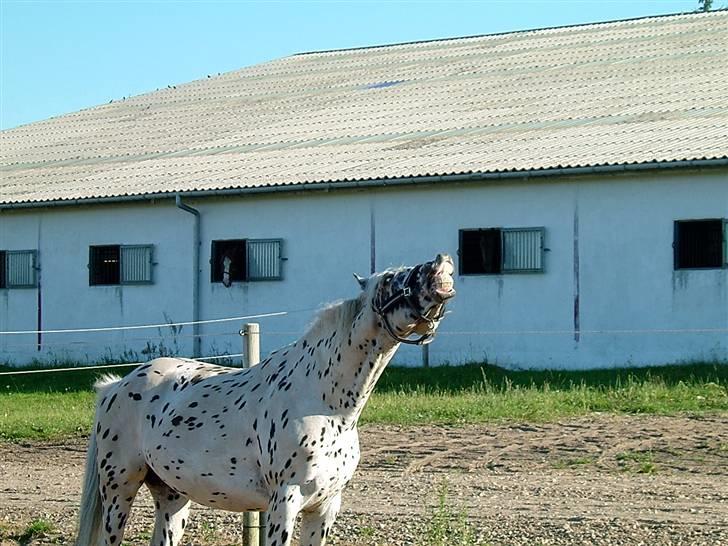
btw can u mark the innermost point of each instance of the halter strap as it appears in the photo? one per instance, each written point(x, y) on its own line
point(406, 294)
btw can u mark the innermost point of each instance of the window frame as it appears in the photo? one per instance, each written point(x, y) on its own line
point(5, 257)
point(542, 249)
point(280, 258)
point(676, 240)
point(247, 277)
point(123, 282)
point(503, 270)
point(120, 266)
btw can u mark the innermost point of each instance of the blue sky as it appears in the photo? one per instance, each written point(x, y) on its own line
point(61, 56)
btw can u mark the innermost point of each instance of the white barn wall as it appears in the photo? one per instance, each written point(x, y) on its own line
point(63, 236)
point(628, 279)
point(18, 308)
point(626, 275)
point(326, 238)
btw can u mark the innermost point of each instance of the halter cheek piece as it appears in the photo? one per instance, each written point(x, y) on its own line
point(382, 308)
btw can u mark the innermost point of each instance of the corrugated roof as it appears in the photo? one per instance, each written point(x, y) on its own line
point(638, 91)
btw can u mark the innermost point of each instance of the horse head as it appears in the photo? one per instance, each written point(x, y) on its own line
point(411, 300)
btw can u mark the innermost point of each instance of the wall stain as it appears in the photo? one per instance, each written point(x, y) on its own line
point(679, 280)
point(39, 282)
point(372, 240)
point(577, 302)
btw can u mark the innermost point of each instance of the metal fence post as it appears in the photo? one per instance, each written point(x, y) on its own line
point(426, 356)
point(253, 523)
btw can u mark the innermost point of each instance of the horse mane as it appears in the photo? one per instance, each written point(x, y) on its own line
point(338, 315)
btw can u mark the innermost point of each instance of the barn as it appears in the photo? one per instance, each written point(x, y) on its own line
point(578, 175)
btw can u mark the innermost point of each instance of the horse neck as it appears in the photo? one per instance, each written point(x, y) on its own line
point(349, 368)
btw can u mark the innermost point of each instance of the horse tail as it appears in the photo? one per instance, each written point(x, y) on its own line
point(90, 513)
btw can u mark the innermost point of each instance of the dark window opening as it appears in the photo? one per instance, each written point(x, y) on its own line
point(480, 251)
point(699, 244)
point(229, 261)
point(3, 277)
point(104, 265)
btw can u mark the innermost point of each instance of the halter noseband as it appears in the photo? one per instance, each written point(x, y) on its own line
point(405, 294)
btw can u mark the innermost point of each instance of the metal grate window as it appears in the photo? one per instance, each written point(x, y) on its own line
point(492, 251)
point(523, 249)
point(240, 260)
point(264, 259)
point(700, 244)
point(120, 264)
point(18, 269)
point(136, 264)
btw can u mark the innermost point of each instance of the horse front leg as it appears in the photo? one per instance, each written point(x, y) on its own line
point(315, 525)
point(282, 511)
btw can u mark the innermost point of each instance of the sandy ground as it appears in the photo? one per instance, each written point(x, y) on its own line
point(597, 480)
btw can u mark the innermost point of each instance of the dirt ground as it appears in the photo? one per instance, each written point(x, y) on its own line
point(602, 480)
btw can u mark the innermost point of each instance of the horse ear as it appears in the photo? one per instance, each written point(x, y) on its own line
point(361, 280)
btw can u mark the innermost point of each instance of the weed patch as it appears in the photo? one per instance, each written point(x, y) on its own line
point(35, 529)
point(641, 462)
point(448, 524)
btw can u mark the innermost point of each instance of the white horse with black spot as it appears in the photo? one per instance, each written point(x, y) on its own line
point(278, 437)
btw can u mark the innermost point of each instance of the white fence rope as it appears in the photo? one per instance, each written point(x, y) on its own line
point(163, 337)
point(583, 332)
point(125, 341)
point(555, 332)
point(144, 326)
point(105, 366)
point(439, 333)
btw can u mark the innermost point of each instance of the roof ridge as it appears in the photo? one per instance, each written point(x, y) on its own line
point(511, 32)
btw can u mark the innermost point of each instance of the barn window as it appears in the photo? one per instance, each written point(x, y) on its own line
point(120, 264)
point(264, 259)
point(136, 264)
point(701, 244)
point(492, 251)
point(18, 268)
point(238, 260)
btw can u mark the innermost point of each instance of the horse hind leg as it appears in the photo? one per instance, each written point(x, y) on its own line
point(171, 512)
point(118, 488)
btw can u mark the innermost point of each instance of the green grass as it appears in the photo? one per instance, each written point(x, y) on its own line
point(573, 463)
point(36, 528)
point(45, 415)
point(54, 405)
point(448, 525)
point(640, 462)
point(474, 394)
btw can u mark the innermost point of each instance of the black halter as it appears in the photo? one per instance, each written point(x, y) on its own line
point(381, 309)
